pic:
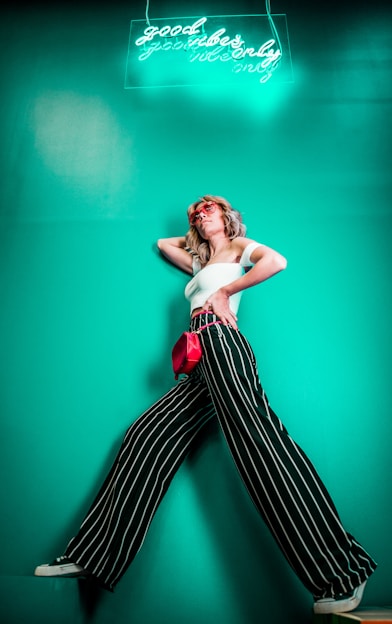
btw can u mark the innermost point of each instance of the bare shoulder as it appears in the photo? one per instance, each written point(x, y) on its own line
point(241, 242)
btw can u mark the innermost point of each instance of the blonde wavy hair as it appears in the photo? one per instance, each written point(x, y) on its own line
point(234, 227)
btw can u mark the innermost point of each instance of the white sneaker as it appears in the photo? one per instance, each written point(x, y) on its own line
point(61, 566)
point(340, 604)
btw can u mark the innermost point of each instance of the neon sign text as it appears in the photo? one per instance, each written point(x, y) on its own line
point(226, 49)
point(166, 31)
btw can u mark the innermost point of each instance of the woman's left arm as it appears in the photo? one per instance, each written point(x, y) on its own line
point(267, 262)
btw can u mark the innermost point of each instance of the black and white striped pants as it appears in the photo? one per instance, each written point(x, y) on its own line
point(277, 474)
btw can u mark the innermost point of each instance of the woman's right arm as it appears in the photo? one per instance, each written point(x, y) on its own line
point(174, 250)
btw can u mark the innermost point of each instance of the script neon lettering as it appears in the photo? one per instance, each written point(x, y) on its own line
point(166, 31)
point(147, 53)
point(215, 39)
point(193, 30)
point(197, 41)
point(264, 50)
point(148, 35)
point(218, 46)
point(176, 30)
point(272, 60)
point(211, 56)
point(250, 68)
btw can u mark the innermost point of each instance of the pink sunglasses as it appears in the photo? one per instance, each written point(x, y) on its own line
point(206, 208)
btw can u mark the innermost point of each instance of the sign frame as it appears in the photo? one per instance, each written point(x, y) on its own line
point(236, 50)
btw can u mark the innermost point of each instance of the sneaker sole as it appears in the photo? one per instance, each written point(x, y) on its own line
point(68, 570)
point(340, 606)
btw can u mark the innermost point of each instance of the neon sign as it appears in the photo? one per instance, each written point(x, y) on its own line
point(208, 50)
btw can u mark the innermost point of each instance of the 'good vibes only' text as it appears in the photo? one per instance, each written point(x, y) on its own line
point(210, 48)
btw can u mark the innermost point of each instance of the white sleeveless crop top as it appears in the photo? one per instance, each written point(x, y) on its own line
point(206, 281)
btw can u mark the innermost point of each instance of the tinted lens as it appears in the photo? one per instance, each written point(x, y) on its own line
point(194, 217)
point(207, 207)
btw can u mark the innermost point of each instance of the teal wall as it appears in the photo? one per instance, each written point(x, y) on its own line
point(92, 175)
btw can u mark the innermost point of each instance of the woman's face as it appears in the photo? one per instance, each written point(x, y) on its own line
point(207, 218)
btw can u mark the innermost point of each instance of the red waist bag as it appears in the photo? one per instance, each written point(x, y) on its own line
point(187, 351)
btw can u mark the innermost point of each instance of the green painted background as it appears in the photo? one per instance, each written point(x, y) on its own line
point(92, 175)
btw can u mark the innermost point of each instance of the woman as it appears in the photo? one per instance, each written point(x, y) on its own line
point(225, 385)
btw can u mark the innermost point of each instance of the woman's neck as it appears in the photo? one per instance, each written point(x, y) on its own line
point(217, 244)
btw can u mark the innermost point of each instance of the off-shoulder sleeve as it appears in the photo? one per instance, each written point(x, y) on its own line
point(246, 254)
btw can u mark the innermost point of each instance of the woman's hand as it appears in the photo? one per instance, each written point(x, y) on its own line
point(218, 303)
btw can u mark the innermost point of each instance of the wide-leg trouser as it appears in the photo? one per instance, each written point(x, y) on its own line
point(279, 477)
